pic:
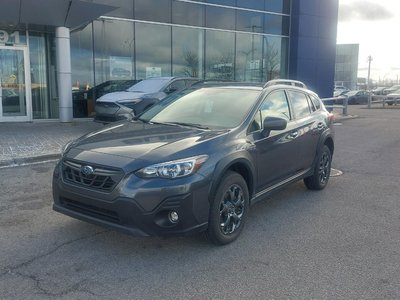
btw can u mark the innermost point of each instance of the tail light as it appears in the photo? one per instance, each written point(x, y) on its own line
point(331, 118)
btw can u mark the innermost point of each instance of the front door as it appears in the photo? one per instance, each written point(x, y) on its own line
point(15, 85)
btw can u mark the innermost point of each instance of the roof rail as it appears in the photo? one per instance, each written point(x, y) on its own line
point(285, 81)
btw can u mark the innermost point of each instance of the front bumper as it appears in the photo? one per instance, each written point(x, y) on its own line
point(136, 206)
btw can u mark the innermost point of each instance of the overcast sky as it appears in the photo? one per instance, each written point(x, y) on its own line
point(375, 25)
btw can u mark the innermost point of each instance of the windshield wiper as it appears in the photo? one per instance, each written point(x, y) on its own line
point(189, 125)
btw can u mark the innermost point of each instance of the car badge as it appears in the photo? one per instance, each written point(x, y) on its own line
point(87, 170)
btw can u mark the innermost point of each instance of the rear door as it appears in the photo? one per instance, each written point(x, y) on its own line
point(309, 127)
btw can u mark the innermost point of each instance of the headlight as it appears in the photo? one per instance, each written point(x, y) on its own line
point(173, 169)
point(129, 102)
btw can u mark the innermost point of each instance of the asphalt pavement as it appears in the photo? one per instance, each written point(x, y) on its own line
point(339, 243)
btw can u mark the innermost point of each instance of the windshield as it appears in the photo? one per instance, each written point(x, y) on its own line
point(216, 107)
point(149, 85)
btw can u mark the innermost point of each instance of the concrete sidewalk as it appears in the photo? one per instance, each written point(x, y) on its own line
point(22, 143)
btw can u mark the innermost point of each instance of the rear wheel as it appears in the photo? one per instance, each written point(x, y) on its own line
point(322, 170)
point(228, 209)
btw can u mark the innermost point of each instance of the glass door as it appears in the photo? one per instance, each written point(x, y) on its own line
point(15, 85)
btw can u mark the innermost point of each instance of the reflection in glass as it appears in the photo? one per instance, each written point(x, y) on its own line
point(42, 107)
point(114, 50)
point(187, 13)
point(252, 4)
point(12, 83)
point(249, 21)
point(275, 24)
point(187, 52)
point(279, 6)
point(249, 62)
point(153, 10)
point(153, 52)
point(124, 8)
point(219, 55)
point(82, 71)
point(275, 57)
point(221, 18)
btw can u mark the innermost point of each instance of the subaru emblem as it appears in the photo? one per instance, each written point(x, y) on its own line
point(87, 170)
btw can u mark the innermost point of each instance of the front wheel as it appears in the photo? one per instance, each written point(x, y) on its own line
point(228, 209)
point(322, 170)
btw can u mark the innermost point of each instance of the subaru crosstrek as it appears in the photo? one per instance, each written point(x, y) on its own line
point(197, 160)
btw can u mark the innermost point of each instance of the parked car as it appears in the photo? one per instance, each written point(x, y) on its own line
point(83, 101)
point(390, 90)
point(357, 97)
point(136, 99)
point(379, 90)
point(393, 98)
point(197, 160)
point(340, 90)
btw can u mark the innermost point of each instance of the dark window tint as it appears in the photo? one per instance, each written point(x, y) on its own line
point(252, 4)
point(187, 13)
point(219, 17)
point(279, 6)
point(249, 21)
point(222, 2)
point(316, 102)
point(152, 10)
point(300, 104)
point(275, 24)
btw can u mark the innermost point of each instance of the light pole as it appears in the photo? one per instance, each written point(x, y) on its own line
point(368, 87)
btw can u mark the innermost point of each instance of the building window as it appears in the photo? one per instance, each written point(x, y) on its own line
point(114, 50)
point(187, 13)
point(153, 50)
point(220, 55)
point(187, 52)
point(153, 10)
point(221, 18)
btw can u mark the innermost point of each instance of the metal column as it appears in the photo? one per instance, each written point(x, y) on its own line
point(64, 81)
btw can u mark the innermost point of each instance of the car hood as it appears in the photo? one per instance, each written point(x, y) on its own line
point(134, 144)
point(117, 96)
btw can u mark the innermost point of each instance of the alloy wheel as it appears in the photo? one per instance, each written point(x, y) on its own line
point(232, 208)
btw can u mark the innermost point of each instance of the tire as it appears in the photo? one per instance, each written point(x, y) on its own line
point(322, 171)
point(228, 210)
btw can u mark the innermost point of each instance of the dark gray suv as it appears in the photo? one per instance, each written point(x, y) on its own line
point(197, 160)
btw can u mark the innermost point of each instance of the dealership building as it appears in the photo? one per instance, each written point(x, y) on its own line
point(53, 49)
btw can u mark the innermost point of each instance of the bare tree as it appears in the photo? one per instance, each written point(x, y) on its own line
point(192, 64)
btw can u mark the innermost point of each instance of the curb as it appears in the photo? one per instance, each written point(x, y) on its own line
point(15, 162)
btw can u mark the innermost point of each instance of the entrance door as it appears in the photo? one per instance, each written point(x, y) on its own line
point(15, 85)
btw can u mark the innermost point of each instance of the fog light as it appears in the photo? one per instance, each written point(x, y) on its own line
point(173, 216)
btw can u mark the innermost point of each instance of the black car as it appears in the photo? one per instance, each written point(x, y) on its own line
point(197, 160)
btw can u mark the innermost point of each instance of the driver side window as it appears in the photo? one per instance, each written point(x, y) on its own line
point(274, 105)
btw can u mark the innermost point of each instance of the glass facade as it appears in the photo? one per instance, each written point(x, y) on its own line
point(346, 66)
point(241, 40)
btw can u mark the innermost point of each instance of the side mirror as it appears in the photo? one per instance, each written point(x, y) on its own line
point(171, 90)
point(273, 123)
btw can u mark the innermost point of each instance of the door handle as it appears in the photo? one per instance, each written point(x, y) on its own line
point(293, 134)
point(320, 126)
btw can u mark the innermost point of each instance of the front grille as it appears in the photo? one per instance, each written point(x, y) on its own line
point(90, 210)
point(103, 179)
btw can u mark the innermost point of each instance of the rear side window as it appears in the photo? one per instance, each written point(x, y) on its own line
point(300, 104)
point(316, 102)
